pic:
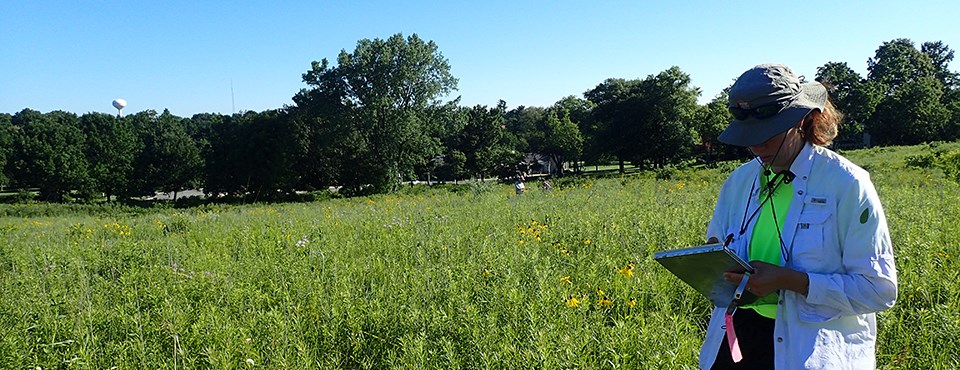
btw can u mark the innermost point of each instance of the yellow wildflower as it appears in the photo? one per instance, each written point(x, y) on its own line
point(627, 270)
point(572, 301)
point(600, 292)
point(565, 279)
point(632, 302)
point(604, 302)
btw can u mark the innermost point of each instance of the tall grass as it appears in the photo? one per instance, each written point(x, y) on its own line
point(479, 279)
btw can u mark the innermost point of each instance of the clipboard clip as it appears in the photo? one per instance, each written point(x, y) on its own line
point(735, 302)
point(726, 245)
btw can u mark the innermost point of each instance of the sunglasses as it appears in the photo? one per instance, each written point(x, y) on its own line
point(761, 112)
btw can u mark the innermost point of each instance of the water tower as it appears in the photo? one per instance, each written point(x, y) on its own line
point(119, 104)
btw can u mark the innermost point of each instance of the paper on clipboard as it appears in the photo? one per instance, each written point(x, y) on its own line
point(702, 268)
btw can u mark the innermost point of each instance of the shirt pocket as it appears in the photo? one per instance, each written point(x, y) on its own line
point(808, 250)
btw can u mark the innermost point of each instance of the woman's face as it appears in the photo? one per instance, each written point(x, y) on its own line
point(779, 151)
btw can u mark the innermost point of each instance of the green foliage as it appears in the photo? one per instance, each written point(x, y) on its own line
point(921, 161)
point(897, 63)
point(562, 139)
point(6, 142)
point(912, 115)
point(374, 108)
point(851, 94)
point(666, 173)
point(711, 120)
point(170, 159)
point(951, 165)
point(649, 121)
point(47, 153)
point(940, 57)
point(257, 154)
point(473, 150)
point(111, 147)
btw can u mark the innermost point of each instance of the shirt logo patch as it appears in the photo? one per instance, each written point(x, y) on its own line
point(804, 226)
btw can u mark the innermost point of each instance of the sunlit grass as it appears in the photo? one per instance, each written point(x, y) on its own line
point(482, 279)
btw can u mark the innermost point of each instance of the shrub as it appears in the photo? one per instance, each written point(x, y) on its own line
point(951, 165)
point(921, 160)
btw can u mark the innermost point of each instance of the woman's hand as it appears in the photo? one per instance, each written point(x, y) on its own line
point(768, 278)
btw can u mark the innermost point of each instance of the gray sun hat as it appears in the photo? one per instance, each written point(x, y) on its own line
point(768, 84)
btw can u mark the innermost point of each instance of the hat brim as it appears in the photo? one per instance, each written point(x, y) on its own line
point(752, 131)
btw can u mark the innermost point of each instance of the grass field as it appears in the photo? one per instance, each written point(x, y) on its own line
point(476, 278)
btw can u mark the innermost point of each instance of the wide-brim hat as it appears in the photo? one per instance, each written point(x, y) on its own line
point(770, 84)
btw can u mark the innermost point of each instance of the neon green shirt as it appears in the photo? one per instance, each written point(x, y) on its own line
point(765, 240)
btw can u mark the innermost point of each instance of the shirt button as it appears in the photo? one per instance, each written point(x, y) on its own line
point(780, 302)
point(779, 339)
point(800, 192)
point(804, 177)
point(724, 327)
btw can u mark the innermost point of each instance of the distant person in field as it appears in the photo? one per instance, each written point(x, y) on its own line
point(546, 185)
point(519, 186)
point(812, 226)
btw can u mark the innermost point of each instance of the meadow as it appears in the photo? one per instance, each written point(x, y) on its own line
point(469, 276)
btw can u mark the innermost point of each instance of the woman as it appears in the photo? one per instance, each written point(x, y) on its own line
point(812, 226)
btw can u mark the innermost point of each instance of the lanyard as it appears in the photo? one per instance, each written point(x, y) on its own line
point(766, 194)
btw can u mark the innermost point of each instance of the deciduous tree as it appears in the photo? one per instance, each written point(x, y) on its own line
point(47, 153)
point(376, 97)
point(111, 147)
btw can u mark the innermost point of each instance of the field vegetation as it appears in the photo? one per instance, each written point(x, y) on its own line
point(461, 276)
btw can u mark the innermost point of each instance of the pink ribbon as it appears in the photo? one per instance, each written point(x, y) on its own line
point(732, 340)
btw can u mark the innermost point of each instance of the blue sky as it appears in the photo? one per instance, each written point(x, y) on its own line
point(187, 56)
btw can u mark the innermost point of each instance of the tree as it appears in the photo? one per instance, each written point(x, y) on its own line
point(910, 110)
point(668, 106)
point(170, 160)
point(711, 120)
point(111, 147)
point(898, 62)
point(853, 95)
point(648, 121)
point(6, 141)
point(377, 97)
point(523, 124)
point(481, 139)
point(47, 153)
point(615, 114)
point(561, 138)
point(940, 57)
point(272, 145)
point(912, 115)
point(581, 113)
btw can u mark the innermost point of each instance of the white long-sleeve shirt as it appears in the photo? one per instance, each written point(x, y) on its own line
point(836, 232)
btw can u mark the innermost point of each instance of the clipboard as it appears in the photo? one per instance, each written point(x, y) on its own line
point(702, 268)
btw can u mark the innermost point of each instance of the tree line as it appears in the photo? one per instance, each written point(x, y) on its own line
point(377, 119)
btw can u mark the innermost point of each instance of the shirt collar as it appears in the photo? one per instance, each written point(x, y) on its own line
point(802, 164)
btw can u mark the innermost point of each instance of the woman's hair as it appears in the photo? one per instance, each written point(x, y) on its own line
point(820, 127)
